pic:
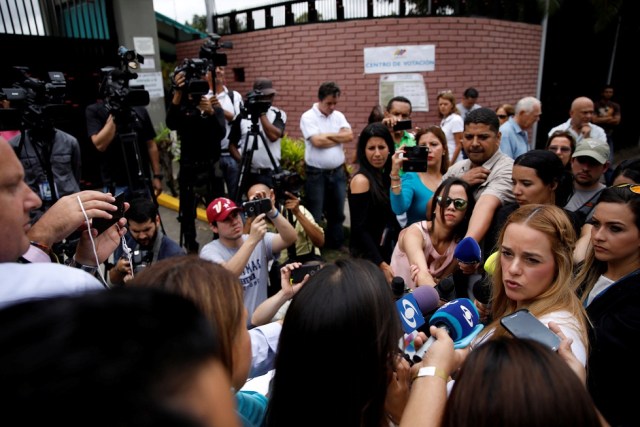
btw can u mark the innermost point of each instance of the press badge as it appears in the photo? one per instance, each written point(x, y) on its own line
point(45, 190)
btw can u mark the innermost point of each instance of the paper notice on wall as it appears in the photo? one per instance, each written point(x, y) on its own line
point(411, 86)
point(152, 83)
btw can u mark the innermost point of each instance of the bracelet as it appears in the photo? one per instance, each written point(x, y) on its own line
point(393, 187)
point(44, 248)
point(158, 175)
point(274, 216)
point(91, 269)
point(431, 371)
point(394, 177)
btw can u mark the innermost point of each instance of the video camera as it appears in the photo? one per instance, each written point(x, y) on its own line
point(119, 97)
point(284, 181)
point(34, 104)
point(255, 104)
point(195, 69)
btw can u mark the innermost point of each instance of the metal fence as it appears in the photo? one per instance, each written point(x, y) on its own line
point(81, 19)
point(300, 12)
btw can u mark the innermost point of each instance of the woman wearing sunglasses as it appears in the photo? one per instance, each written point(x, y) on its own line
point(424, 253)
point(609, 285)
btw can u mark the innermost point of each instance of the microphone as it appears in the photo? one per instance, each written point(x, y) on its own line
point(468, 251)
point(447, 288)
point(460, 319)
point(413, 305)
point(482, 290)
point(397, 287)
point(427, 298)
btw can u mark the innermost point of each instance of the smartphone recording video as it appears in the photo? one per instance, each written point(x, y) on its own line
point(101, 224)
point(402, 125)
point(256, 207)
point(416, 158)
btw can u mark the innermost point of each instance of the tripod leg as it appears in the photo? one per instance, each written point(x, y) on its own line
point(245, 168)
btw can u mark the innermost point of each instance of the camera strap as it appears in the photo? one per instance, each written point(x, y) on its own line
point(276, 167)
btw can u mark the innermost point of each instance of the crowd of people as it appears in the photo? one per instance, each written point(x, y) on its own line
point(187, 329)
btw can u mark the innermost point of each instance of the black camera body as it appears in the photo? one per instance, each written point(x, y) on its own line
point(119, 97)
point(255, 104)
point(195, 69)
point(141, 259)
point(256, 207)
point(284, 181)
point(402, 125)
point(35, 104)
point(416, 158)
point(209, 51)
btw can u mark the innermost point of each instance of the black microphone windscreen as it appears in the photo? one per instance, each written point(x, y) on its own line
point(397, 286)
point(482, 290)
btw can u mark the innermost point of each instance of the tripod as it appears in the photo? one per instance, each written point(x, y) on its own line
point(247, 156)
point(138, 181)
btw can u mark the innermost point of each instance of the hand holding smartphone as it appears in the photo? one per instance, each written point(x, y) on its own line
point(101, 224)
point(523, 324)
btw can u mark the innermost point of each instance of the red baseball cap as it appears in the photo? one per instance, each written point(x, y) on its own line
point(220, 209)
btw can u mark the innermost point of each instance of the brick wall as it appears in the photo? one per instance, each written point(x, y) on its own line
point(499, 58)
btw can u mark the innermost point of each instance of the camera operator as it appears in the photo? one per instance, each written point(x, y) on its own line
point(145, 239)
point(104, 131)
point(231, 102)
point(199, 121)
point(247, 255)
point(49, 156)
point(271, 124)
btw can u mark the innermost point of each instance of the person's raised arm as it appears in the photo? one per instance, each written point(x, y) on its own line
point(239, 260)
point(106, 135)
point(482, 216)
point(268, 309)
point(428, 396)
point(311, 228)
point(412, 244)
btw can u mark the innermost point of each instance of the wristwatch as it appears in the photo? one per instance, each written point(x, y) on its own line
point(91, 269)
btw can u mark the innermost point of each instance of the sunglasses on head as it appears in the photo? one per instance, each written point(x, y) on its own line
point(634, 188)
point(458, 204)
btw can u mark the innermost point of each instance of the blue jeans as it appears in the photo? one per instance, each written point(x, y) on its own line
point(325, 193)
point(231, 172)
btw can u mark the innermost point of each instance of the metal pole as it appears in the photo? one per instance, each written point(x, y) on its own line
point(613, 51)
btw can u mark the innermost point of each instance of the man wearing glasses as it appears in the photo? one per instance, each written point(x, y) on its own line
point(515, 136)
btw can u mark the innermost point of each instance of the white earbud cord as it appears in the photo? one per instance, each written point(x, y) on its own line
point(93, 244)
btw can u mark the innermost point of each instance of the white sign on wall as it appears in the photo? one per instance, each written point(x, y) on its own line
point(152, 83)
point(144, 45)
point(411, 86)
point(399, 59)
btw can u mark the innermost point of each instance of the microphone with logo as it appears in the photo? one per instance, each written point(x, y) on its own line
point(412, 308)
point(460, 319)
point(468, 251)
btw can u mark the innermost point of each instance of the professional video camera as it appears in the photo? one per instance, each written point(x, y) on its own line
point(284, 181)
point(209, 51)
point(119, 97)
point(195, 69)
point(35, 104)
point(255, 104)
